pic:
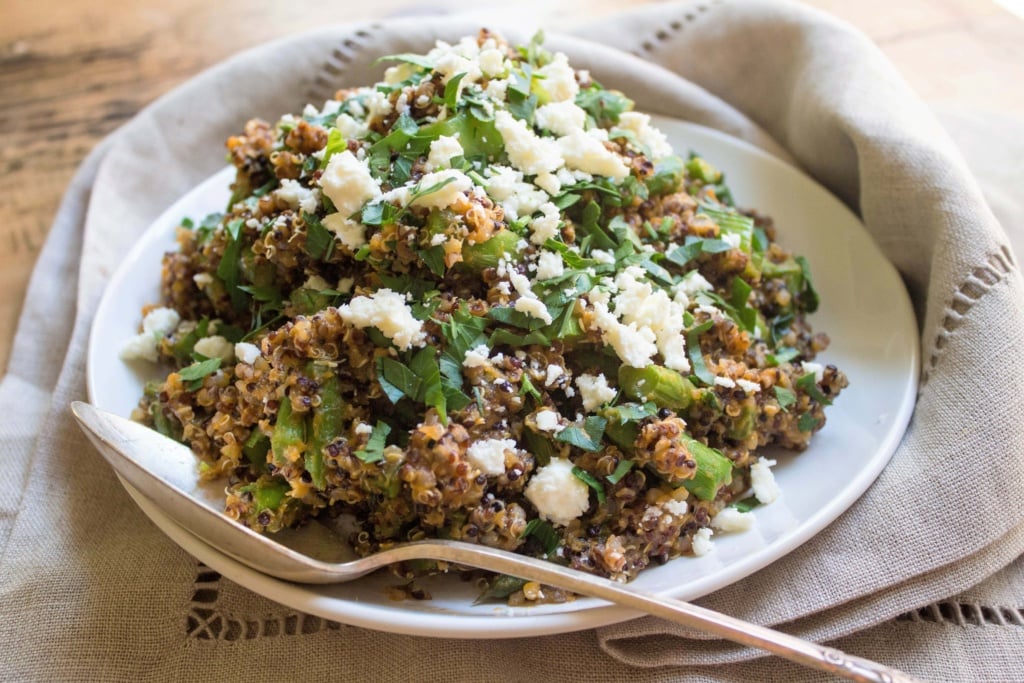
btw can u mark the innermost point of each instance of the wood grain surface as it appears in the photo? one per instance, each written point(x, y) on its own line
point(71, 71)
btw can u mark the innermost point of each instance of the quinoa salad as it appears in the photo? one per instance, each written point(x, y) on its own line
point(485, 300)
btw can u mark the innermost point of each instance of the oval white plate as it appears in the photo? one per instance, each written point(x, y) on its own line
point(865, 310)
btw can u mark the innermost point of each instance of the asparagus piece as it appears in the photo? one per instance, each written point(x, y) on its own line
point(714, 470)
point(667, 388)
point(483, 255)
point(326, 426)
point(668, 175)
point(289, 437)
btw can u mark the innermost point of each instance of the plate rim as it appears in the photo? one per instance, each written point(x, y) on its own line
point(495, 625)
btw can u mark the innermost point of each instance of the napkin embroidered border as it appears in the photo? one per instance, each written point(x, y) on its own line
point(971, 289)
point(207, 620)
point(662, 35)
point(965, 614)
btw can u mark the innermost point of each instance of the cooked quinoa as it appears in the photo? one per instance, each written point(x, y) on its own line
point(484, 300)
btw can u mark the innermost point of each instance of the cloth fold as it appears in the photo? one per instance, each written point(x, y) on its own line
point(91, 589)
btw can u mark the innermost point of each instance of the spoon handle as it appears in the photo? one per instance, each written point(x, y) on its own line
point(693, 616)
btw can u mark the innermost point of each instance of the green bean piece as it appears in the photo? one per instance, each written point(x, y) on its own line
point(483, 255)
point(268, 493)
point(701, 170)
point(714, 470)
point(743, 426)
point(289, 432)
point(667, 388)
point(326, 427)
point(256, 448)
point(667, 177)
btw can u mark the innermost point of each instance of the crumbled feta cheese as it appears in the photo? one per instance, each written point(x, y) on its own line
point(549, 265)
point(350, 128)
point(141, 346)
point(748, 386)
point(441, 198)
point(548, 182)
point(817, 368)
point(156, 324)
point(645, 134)
point(692, 284)
point(363, 429)
point(534, 308)
point(639, 303)
point(731, 519)
point(388, 312)
point(602, 256)
point(296, 196)
point(202, 280)
point(477, 357)
point(561, 118)
point(505, 186)
point(497, 89)
point(348, 184)
point(678, 508)
point(488, 455)
point(702, 542)
point(583, 151)
point(527, 151)
point(215, 346)
point(557, 493)
point(442, 150)
point(559, 79)
point(632, 344)
point(762, 481)
point(246, 352)
point(731, 238)
point(553, 374)
point(594, 391)
point(726, 382)
point(378, 104)
point(160, 321)
point(492, 62)
point(549, 421)
point(545, 226)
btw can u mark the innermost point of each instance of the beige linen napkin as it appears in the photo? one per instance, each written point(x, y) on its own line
point(91, 590)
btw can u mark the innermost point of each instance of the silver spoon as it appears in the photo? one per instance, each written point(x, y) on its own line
point(163, 471)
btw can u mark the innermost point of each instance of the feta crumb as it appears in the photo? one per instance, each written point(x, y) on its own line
point(350, 128)
point(561, 118)
point(549, 265)
point(215, 346)
point(388, 312)
point(594, 391)
point(632, 344)
point(679, 508)
point(296, 196)
point(731, 238)
point(438, 239)
point(748, 386)
point(363, 429)
point(545, 227)
point(505, 185)
point(497, 89)
point(442, 150)
point(156, 324)
point(762, 481)
point(492, 62)
point(247, 353)
point(702, 542)
point(348, 184)
point(692, 284)
point(527, 151)
point(645, 134)
point(726, 382)
point(488, 455)
point(731, 519)
point(602, 256)
point(557, 493)
point(552, 374)
point(585, 152)
point(817, 368)
point(548, 182)
point(534, 308)
point(477, 357)
point(549, 421)
point(441, 198)
point(559, 79)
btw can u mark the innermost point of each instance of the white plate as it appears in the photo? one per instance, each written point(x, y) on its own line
point(865, 310)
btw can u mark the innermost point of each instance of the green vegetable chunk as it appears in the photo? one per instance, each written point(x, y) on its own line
point(714, 470)
point(289, 432)
point(665, 387)
point(668, 176)
point(326, 425)
point(483, 255)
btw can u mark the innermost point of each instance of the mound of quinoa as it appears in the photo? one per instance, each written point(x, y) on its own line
point(485, 300)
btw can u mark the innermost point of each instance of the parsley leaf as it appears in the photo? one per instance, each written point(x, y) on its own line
point(693, 350)
point(622, 469)
point(810, 386)
point(591, 481)
point(374, 450)
point(451, 91)
point(588, 437)
point(195, 373)
point(785, 397)
point(545, 533)
point(229, 268)
point(319, 240)
point(808, 423)
point(747, 504)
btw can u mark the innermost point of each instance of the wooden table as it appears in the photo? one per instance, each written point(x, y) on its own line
point(71, 71)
